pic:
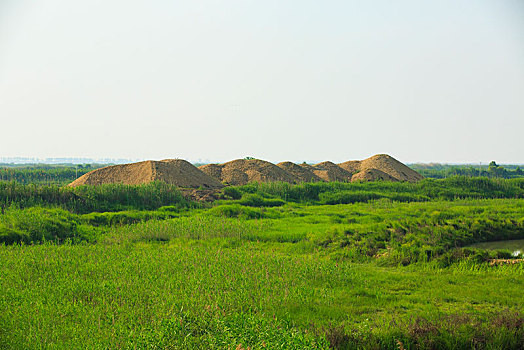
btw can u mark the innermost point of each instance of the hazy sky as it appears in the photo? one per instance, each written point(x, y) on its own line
point(299, 80)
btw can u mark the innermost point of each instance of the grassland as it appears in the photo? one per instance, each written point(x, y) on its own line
point(269, 266)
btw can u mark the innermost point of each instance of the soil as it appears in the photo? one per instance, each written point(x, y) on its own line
point(201, 195)
point(390, 166)
point(329, 171)
point(300, 173)
point(372, 175)
point(173, 171)
point(213, 170)
point(351, 166)
point(241, 171)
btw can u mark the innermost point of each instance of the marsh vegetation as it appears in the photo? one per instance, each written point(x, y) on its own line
point(315, 265)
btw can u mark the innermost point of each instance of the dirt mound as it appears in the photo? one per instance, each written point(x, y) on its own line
point(300, 173)
point(329, 171)
point(184, 174)
point(213, 170)
point(207, 195)
point(352, 166)
point(234, 177)
point(256, 170)
point(241, 171)
point(372, 175)
point(173, 171)
point(390, 166)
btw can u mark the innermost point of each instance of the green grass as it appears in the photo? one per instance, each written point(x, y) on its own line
point(87, 199)
point(205, 294)
point(270, 266)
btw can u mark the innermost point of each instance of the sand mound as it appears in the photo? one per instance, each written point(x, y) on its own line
point(234, 177)
point(173, 171)
point(300, 173)
point(352, 166)
point(329, 171)
point(213, 170)
point(256, 170)
point(390, 166)
point(372, 175)
point(206, 195)
point(241, 171)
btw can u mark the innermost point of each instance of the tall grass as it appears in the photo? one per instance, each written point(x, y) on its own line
point(457, 187)
point(199, 294)
point(86, 199)
point(196, 228)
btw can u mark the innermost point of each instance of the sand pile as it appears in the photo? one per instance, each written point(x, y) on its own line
point(352, 166)
point(390, 166)
point(213, 170)
point(242, 171)
point(379, 167)
point(300, 173)
point(372, 175)
point(329, 171)
point(173, 171)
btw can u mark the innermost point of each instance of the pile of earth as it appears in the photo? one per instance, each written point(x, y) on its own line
point(172, 171)
point(379, 167)
point(301, 173)
point(329, 171)
point(372, 175)
point(241, 171)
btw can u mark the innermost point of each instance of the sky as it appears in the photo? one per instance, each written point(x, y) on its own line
point(299, 80)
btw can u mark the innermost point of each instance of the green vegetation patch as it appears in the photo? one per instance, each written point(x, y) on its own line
point(203, 295)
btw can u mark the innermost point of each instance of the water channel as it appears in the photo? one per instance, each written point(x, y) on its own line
point(516, 246)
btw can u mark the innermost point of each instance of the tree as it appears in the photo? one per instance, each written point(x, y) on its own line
point(496, 170)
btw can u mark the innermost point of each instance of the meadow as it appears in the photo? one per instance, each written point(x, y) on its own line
point(268, 266)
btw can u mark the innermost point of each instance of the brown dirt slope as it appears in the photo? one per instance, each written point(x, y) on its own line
point(256, 170)
point(173, 171)
point(300, 173)
point(184, 174)
point(242, 171)
point(352, 166)
point(372, 175)
point(329, 171)
point(213, 170)
point(390, 166)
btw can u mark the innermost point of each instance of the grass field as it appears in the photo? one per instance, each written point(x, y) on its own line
point(264, 272)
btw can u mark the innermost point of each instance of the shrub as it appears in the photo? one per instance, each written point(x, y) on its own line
point(232, 193)
point(35, 225)
point(11, 235)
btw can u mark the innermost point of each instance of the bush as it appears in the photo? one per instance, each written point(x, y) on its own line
point(232, 193)
point(36, 225)
point(11, 236)
point(502, 254)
